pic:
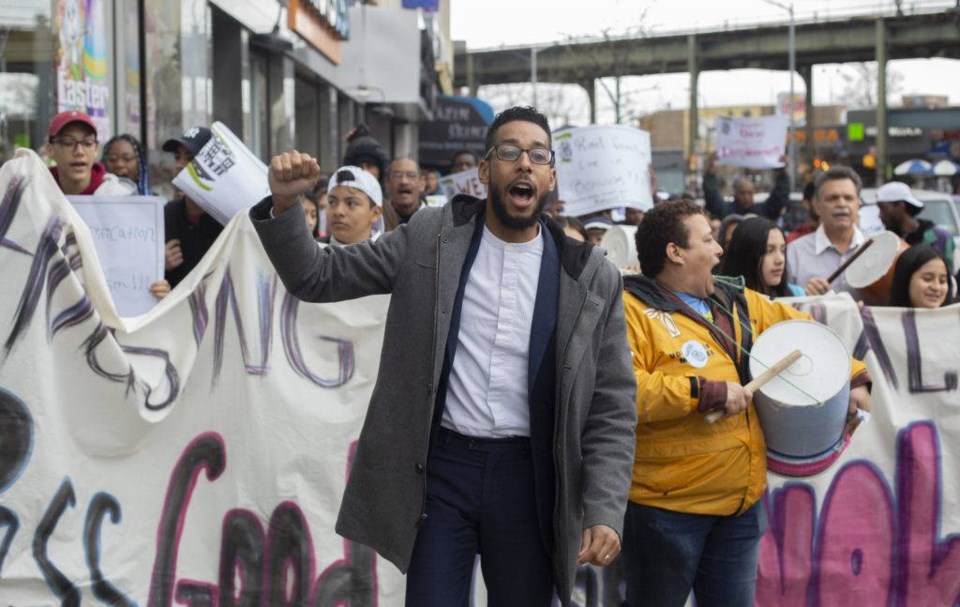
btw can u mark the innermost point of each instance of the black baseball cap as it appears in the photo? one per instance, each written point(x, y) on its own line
point(193, 139)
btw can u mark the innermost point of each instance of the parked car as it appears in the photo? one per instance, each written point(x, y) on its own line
point(939, 207)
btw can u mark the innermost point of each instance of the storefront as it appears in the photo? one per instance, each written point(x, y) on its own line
point(279, 74)
point(62, 54)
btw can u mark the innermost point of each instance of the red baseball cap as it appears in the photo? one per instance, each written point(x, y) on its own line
point(61, 120)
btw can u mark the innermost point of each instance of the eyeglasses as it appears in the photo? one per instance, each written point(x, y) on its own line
point(69, 143)
point(398, 175)
point(511, 153)
point(120, 157)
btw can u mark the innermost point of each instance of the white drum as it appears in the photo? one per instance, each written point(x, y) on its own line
point(621, 245)
point(803, 410)
point(872, 271)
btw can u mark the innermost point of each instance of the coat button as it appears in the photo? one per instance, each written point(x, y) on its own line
point(419, 468)
point(421, 519)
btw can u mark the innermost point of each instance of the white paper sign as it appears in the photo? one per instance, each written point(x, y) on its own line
point(436, 200)
point(465, 182)
point(128, 234)
point(751, 143)
point(225, 177)
point(603, 167)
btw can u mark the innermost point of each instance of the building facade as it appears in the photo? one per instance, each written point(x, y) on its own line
point(281, 75)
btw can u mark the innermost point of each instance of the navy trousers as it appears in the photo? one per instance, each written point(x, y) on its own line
point(480, 500)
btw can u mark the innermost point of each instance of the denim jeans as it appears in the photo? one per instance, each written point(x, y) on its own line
point(666, 554)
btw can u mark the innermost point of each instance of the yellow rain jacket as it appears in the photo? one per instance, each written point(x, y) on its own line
point(682, 463)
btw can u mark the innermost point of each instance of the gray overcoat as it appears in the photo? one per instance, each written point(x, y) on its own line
point(419, 263)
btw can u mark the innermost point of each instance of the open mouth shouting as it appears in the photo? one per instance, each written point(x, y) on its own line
point(404, 192)
point(522, 194)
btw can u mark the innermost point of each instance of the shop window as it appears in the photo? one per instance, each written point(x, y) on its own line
point(307, 109)
point(54, 56)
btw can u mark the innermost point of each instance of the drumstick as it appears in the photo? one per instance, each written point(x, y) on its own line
point(763, 378)
point(850, 260)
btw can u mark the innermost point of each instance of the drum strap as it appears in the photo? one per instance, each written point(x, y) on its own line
point(739, 351)
point(746, 340)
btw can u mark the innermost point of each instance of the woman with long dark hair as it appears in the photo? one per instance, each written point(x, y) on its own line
point(757, 251)
point(921, 279)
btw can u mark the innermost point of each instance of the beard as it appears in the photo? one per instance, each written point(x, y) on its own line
point(512, 222)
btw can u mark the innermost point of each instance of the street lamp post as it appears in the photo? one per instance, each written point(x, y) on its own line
point(534, 51)
point(533, 72)
point(792, 61)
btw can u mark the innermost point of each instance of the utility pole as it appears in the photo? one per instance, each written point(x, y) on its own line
point(792, 63)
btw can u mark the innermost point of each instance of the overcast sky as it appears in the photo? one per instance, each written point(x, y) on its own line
point(491, 23)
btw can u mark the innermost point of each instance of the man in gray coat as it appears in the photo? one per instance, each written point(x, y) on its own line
point(502, 420)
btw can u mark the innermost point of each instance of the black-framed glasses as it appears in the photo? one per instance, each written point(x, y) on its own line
point(511, 153)
point(69, 143)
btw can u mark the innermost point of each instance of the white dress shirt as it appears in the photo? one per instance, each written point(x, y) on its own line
point(814, 255)
point(487, 394)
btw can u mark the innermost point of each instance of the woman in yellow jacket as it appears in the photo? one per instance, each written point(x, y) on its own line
point(694, 519)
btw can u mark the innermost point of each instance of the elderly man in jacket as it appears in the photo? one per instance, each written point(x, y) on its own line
point(694, 519)
point(502, 421)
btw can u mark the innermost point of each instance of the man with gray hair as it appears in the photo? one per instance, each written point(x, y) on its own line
point(812, 258)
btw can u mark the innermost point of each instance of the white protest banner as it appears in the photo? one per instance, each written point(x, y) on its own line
point(225, 177)
point(603, 167)
point(465, 182)
point(128, 234)
point(200, 451)
point(751, 143)
point(881, 526)
point(195, 452)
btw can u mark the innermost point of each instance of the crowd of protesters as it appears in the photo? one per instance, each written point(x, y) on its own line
point(694, 517)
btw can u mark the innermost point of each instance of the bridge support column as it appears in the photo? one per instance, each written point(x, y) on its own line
point(591, 87)
point(693, 121)
point(881, 120)
point(810, 147)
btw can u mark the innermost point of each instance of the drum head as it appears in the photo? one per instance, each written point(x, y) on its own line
point(875, 262)
point(821, 373)
point(621, 245)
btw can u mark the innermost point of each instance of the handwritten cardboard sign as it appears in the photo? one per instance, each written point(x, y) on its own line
point(603, 167)
point(751, 143)
point(128, 234)
point(465, 182)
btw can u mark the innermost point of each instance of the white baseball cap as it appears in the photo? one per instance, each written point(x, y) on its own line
point(896, 191)
point(355, 177)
